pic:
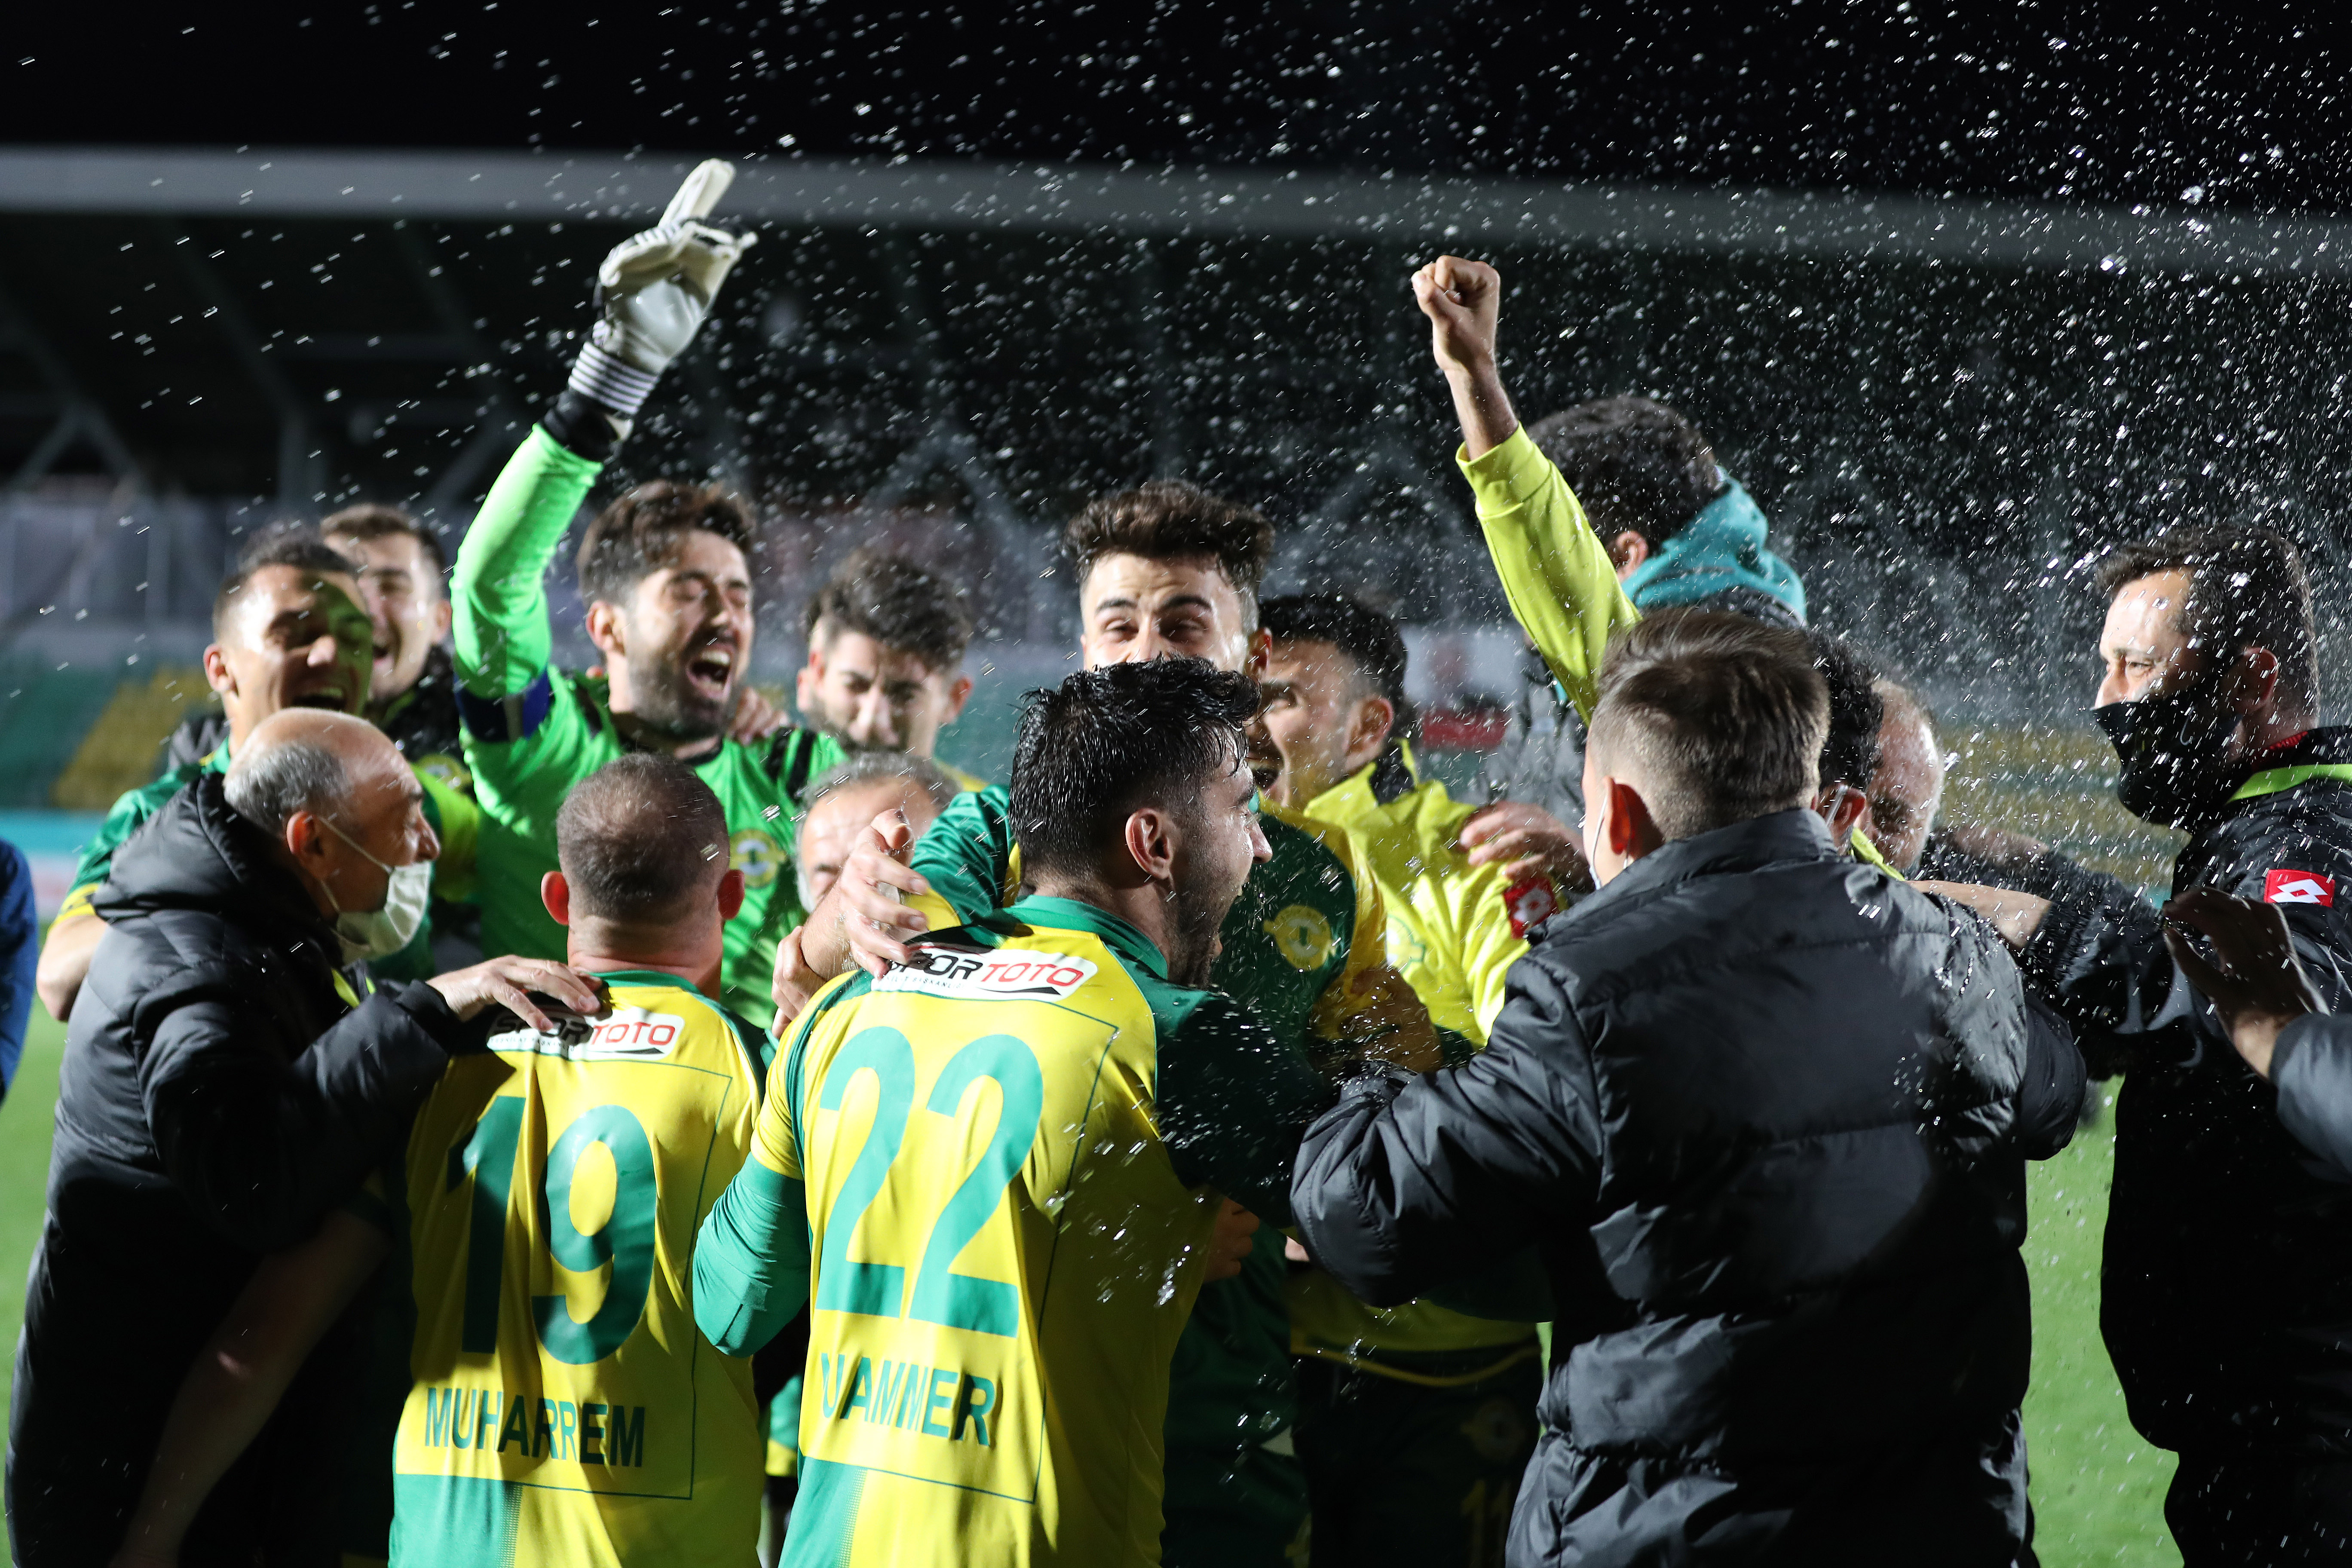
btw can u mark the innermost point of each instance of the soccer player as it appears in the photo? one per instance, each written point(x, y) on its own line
point(1416, 1422)
point(402, 573)
point(846, 797)
point(1170, 570)
point(564, 1409)
point(885, 671)
point(984, 1170)
point(666, 573)
point(287, 632)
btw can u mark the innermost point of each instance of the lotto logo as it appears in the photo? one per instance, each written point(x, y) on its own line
point(1531, 903)
point(2298, 888)
point(984, 972)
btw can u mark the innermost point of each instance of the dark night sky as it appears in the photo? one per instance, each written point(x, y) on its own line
point(2084, 102)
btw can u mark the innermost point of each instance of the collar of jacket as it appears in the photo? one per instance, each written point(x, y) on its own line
point(197, 854)
point(1798, 834)
point(2313, 754)
point(1721, 549)
point(1383, 782)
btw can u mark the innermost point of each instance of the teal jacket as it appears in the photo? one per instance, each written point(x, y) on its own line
point(1721, 550)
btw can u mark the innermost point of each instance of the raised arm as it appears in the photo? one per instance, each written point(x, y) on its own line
point(238, 1377)
point(1560, 582)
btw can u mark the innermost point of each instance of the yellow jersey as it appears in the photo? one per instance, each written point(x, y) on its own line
point(564, 1409)
point(987, 1170)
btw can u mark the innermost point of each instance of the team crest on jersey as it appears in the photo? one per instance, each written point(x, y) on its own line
point(624, 1033)
point(981, 974)
point(444, 767)
point(2285, 886)
point(1303, 935)
point(756, 856)
point(1531, 903)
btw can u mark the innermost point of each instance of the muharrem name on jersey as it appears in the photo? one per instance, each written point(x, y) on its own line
point(495, 1420)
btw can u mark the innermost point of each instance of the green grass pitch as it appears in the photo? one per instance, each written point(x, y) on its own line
point(2098, 1488)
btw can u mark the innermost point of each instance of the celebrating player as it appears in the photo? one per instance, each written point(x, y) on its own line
point(982, 1169)
point(563, 1409)
point(886, 641)
point(666, 573)
point(1170, 570)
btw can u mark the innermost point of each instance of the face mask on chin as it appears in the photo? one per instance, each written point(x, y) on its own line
point(2172, 749)
point(367, 934)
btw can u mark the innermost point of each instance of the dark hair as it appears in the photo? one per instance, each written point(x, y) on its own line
point(373, 520)
point(638, 534)
point(1850, 750)
point(1106, 740)
point(1635, 464)
point(1168, 519)
point(639, 838)
point(295, 544)
point(1370, 639)
point(2247, 588)
point(896, 602)
point(1721, 717)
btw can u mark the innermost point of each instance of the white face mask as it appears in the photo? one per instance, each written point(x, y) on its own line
point(379, 933)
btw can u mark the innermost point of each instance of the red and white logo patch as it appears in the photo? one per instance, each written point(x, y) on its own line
point(2298, 888)
point(1531, 903)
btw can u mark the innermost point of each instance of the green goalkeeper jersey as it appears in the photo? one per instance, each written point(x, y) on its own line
point(532, 731)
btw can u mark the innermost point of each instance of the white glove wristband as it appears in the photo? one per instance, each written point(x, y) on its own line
point(611, 383)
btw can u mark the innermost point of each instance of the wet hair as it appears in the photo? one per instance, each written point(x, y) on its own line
point(1106, 741)
point(1368, 639)
point(1168, 519)
point(896, 602)
point(295, 544)
point(1850, 750)
point(268, 784)
point(1720, 718)
point(2247, 588)
point(638, 534)
point(373, 520)
point(1635, 464)
point(640, 840)
point(866, 767)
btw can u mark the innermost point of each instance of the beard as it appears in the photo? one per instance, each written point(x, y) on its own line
point(1199, 915)
point(664, 701)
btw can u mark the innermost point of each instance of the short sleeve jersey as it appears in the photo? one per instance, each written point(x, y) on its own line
point(1004, 1247)
point(532, 731)
point(565, 1409)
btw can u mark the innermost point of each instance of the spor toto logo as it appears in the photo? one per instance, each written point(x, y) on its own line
point(753, 853)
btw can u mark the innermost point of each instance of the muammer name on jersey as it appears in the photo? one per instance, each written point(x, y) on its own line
point(935, 1401)
point(586, 1433)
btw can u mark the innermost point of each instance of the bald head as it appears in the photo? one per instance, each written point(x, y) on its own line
point(1907, 788)
point(306, 759)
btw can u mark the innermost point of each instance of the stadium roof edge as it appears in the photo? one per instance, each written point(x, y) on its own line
point(945, 196)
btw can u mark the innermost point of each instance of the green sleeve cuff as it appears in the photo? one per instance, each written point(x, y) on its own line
point(752, 1260)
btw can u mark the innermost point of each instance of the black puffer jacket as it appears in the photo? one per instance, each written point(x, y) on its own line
point(1765, 1112)
point(2227, 1291)
point(218, 1095)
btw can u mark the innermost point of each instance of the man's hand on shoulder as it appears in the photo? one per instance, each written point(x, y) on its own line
point(1233, 1240)
point(2254, 980)
point(755, 718)
point(1530, 841)
point(2016, 916)
point(507, 983)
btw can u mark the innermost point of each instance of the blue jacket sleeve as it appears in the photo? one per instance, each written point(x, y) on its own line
point(20, 953)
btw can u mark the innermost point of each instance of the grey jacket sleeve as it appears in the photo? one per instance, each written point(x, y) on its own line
point(1403, 1186)
point(262, 1144)
point(2312, 1070)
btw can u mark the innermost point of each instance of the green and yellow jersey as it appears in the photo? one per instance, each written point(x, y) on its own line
point(1305, 927)
point(455, 822)
point(1454, 931)
point(987, 1173)
point(563, 1407)
point(1556, 575)
point(532, 731)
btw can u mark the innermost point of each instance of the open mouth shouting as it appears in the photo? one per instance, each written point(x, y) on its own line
point(711, 670)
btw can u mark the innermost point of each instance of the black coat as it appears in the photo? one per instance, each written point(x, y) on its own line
point(218, 1096)
point(1764, 1111)
point(2227, 1291)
